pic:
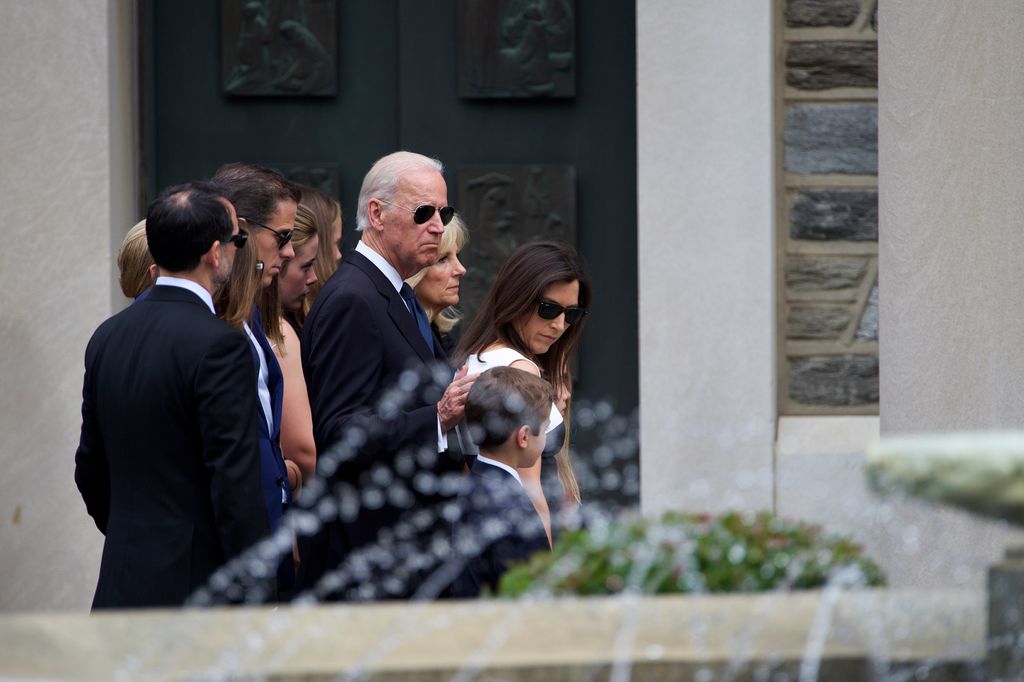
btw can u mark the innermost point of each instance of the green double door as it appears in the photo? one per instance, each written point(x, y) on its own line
point(396, 67)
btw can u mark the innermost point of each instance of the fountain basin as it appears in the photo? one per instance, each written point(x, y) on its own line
point(822, 634)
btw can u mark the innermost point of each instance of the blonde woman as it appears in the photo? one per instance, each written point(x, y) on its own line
point(135, 265)
point(322, 214)
point(437, 286)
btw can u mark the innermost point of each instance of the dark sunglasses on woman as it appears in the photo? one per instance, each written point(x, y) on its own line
point(239, 239)
point(549, 311)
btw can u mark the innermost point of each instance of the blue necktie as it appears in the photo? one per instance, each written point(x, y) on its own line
point(419, 314)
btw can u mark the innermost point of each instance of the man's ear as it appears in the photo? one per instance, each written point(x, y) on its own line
point(523, 434)
point(373, 209)
point(212, 256)
point(153, 271)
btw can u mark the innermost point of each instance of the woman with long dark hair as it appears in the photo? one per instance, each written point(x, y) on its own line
point(532, 319)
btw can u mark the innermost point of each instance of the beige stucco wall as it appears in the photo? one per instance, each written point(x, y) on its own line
point(706, 251)
point(951, 211)
point(66, 179)
point(951, 237)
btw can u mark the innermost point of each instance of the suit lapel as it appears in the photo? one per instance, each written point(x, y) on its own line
point(397, 311)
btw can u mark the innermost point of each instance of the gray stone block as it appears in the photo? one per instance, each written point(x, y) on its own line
point(804, 273)
point(867, 330)
point(810, 13)
point(832, 138)
point(817, 322)
point(834, 381)
point(1006, 617)
point(837, 214)
point(819, 66)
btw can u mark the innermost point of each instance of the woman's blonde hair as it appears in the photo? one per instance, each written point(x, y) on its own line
point(316, 215)
point(134, 262)
point(454, 238)
point(269, 301)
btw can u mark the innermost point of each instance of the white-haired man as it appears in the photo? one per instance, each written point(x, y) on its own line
point(365, 330)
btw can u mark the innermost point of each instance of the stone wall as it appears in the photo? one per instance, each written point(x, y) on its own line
point(826, 84)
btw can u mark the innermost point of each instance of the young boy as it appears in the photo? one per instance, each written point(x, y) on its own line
point(507, 410)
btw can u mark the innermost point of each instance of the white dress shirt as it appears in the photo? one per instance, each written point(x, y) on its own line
point(195, 287)
point(263, 380)
point(500, 465)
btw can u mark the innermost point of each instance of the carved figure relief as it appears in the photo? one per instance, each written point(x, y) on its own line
point(517, 48)
point(505, 207)
point(279, 47)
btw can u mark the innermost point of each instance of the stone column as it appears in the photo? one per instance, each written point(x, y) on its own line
point(706, 251)
point(67, 179)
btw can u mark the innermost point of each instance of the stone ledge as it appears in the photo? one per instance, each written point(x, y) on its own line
point(574, 638)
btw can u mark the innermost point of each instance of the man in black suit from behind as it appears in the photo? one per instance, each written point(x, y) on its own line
point(364, 331)
point(168, 461)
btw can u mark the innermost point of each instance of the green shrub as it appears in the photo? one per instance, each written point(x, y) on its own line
point(690, 553)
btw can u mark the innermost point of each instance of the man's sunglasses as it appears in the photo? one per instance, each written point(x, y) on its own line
point(549, 311)
point(239, 239)
point(425, 212)
point(283, 236)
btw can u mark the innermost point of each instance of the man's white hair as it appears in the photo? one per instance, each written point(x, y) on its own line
point(382, 180)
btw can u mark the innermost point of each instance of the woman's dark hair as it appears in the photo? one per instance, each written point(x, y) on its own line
point(518, 288)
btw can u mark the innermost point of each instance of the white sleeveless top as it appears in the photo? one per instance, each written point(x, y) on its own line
point(503, 357)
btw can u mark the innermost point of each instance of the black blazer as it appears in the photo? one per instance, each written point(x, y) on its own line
point(168, 460)
point(497, 525)
point(358, 339)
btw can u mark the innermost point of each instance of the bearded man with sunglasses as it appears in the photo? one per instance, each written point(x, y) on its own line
point(385, 440)
point(168, 461)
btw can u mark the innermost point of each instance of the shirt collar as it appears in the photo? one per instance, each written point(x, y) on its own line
point(195, 287)
point(501, 465)
point(378, 260)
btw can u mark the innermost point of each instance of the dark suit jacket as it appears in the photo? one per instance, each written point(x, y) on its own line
point(168, 460)
point(497, 525)
point(358, 339)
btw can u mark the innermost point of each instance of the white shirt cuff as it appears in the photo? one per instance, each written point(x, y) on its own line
point(442, 439)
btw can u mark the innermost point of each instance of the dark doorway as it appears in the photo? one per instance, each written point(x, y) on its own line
point(398, 87)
